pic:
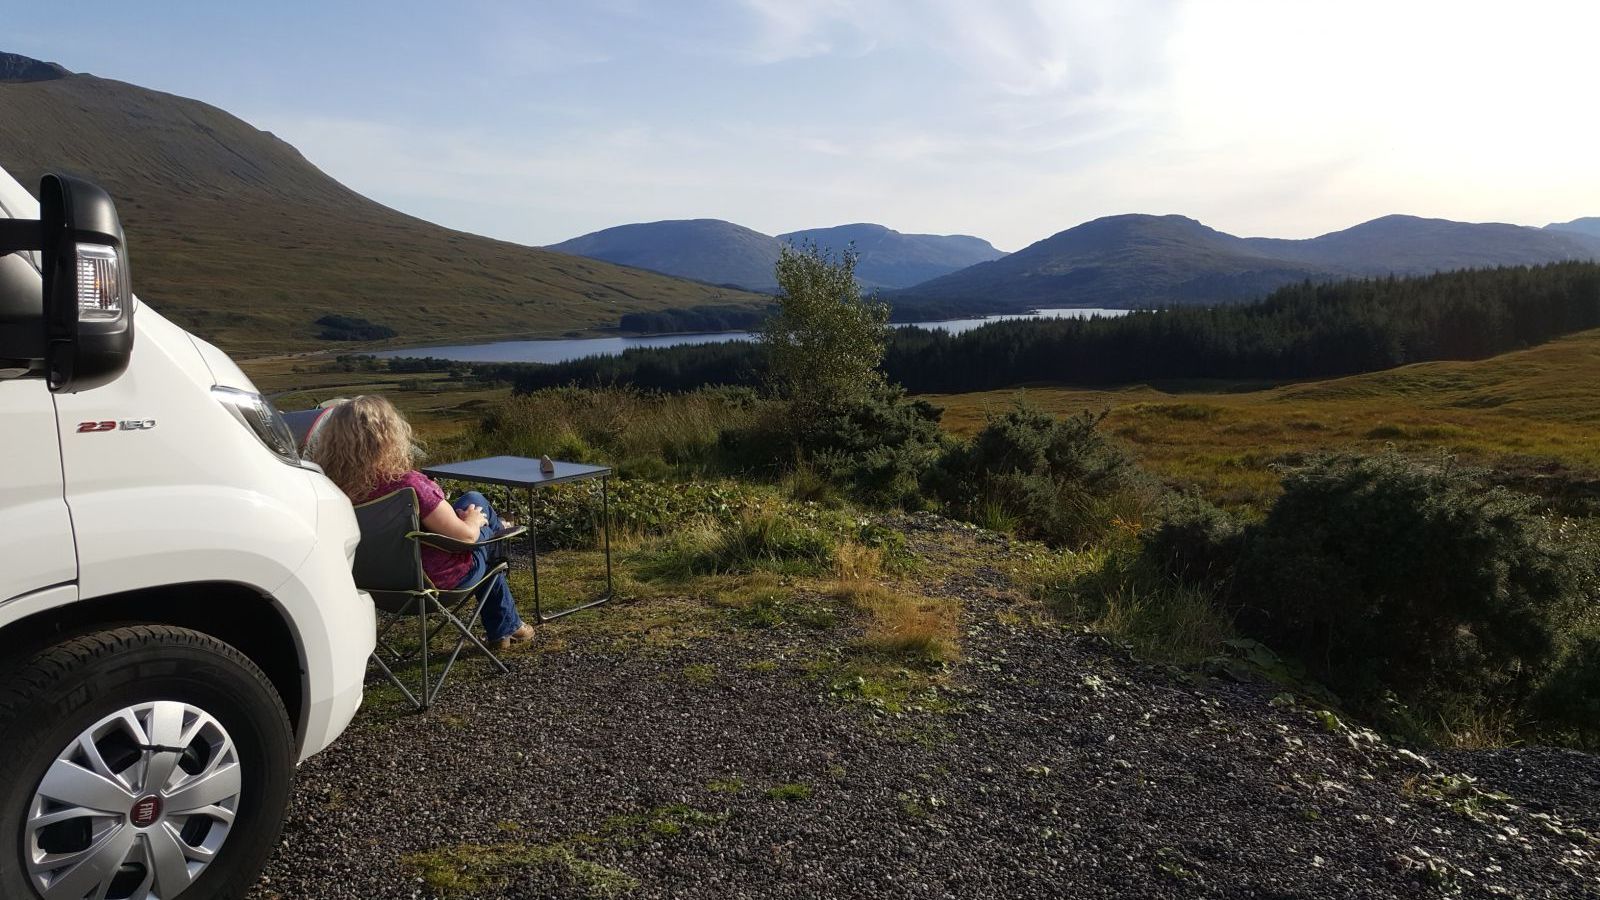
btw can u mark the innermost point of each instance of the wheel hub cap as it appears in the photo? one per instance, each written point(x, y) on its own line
point(135, 808)
point(145, 812)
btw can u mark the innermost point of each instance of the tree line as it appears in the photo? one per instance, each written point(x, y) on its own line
point(1303, 330)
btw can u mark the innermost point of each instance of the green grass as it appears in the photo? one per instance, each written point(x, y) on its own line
point(467, 870)
point(764, 538)
point(475, 870)
point(1518, 411)
point(789, 793)
point(1113, 592)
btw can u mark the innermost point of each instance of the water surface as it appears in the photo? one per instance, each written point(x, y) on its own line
point(558, 350)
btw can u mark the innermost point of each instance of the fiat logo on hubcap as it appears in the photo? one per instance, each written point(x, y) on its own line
point(145, 812)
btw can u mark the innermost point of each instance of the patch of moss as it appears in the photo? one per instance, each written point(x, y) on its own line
point(478, 869)
point(700, 673)
point(790, 793)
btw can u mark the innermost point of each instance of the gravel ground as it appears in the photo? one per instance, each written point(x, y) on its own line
point(667, 763)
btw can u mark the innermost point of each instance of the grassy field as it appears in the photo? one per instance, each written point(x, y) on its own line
point(1535, 410)
point(441, 408)
point(1534, 414)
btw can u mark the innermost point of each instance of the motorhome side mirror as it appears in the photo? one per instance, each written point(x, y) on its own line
point(88, 300)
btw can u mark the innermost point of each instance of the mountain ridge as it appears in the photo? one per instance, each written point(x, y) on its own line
point(1588, 225)
point(236, 235)
point(716, 251)
point(1137, 259)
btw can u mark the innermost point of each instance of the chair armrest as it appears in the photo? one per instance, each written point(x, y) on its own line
point(451, 545)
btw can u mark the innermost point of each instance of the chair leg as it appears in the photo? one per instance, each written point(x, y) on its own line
point(427, 695)
point(466, 635)
point(395, 679)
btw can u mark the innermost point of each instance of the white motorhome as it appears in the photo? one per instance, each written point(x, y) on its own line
point(178, 624)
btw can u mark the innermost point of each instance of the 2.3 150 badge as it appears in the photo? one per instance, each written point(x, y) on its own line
point(113, 425)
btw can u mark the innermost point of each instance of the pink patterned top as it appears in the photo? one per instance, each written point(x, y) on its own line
point(444, 569)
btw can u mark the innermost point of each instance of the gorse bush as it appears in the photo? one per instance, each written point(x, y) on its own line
point(877, 447)
point(880, 447)
point(1381, 573)
point(1568, 702)
point(1194, 540)
point(1062, 480)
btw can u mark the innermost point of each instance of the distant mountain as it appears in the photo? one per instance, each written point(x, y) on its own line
point(1408, 245)
point(890, 259)
point(234, 234)
point(1128, 260)
point(708, 250)
point(1589, 225)
point(718, 252)
point(1144, 260)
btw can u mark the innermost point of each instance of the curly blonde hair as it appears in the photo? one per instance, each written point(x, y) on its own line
point(363, 443)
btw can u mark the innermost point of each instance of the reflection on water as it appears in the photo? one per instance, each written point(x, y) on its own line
point(564, 349)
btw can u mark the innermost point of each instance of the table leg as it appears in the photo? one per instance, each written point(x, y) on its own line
point(605, 528)
point(533, 547)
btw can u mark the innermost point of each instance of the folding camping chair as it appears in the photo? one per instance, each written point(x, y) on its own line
point(388, 566)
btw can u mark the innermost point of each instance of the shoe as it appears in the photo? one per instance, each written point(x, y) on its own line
point(520, 636)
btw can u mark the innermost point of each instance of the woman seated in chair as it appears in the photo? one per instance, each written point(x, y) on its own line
point(365, 446)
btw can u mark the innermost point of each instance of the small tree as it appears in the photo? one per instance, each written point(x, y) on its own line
point(826, 341)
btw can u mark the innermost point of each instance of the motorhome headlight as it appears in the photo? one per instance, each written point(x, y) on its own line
point(102, 283)
point(258, 414)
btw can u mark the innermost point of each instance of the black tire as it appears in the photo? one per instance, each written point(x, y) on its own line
point(57, 693)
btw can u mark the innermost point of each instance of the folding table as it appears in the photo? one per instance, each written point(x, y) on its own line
point(523, 472)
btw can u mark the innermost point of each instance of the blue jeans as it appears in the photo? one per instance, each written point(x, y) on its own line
point(499, 609)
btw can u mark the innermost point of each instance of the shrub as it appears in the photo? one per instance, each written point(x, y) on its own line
point(1194, 541)
point(1569, 699)
point(1062, 480)
point(760, 537)
point(1379, 572)
point(878, 447)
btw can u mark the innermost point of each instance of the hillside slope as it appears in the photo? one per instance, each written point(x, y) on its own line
point(1144, 260)
point(708, 250)
point(236, 236)
point(892, 259)
point(1128, 260)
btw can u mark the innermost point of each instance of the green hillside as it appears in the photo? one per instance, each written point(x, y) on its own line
point(236, 236)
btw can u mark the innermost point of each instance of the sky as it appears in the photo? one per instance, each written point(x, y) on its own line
point(1008, 119)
